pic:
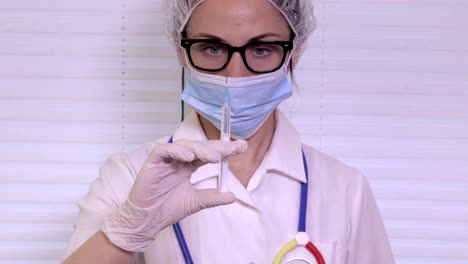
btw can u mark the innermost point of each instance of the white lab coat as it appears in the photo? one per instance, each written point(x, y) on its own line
point(343, 220)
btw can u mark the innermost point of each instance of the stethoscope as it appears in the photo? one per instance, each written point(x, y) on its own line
point(301, 239)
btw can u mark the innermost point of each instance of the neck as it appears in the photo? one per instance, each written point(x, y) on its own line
point(244, 165)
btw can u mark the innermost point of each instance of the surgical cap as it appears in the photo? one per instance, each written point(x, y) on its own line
point(298, 13)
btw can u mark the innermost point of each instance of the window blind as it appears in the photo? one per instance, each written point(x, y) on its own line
point(79, 81)
point(383, 86)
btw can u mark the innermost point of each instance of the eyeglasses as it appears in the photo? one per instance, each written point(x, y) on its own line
point(213, 55)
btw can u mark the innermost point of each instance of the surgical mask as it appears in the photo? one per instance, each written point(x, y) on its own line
point(252, 98)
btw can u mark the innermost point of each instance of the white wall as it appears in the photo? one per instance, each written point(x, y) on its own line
point(383, 86)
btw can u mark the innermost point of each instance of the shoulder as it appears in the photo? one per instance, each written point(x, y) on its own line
point(118, 173)
point(331, 169)
point(131, 161)
point(336, 182)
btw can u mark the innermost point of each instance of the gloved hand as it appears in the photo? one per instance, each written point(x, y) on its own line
point(162, 193)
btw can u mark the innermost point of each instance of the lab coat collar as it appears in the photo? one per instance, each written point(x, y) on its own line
point(285, 152)
point(190, 128)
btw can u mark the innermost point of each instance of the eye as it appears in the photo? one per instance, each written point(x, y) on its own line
point(260, 50)
point(213, 49)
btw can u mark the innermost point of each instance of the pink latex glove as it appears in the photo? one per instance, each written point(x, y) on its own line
point(162, 193)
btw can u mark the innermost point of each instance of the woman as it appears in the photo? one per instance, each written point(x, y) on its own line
point(248, 46)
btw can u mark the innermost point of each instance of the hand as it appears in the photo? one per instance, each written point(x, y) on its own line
point(162, 194)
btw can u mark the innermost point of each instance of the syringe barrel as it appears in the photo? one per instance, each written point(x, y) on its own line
point(225, 136)
point(226, 120)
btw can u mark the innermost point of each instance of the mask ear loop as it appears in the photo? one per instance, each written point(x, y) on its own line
point(182, 104)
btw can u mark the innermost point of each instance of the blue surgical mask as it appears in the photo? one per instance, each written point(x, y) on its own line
point(252, 98)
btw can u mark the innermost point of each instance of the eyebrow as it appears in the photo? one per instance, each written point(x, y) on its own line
point(259, 37)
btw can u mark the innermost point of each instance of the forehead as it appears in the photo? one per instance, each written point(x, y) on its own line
point(237, 20)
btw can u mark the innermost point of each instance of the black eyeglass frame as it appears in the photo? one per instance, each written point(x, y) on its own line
point(187, 43)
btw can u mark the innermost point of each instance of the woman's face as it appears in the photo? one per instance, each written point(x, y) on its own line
point(237, 22)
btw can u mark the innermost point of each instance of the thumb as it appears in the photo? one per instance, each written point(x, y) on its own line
point(206, 198)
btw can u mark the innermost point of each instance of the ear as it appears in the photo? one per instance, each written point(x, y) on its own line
point(179, 50)
point(181, 56)
point(297, 54)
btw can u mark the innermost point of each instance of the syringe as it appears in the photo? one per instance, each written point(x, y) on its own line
point(225, 136)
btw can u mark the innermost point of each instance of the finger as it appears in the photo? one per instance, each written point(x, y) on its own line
point(201, 150)
point(198, 163)
point(228, 148)
point(188, 151)
point(168, 151)
point(214, 150)
point(207, 198)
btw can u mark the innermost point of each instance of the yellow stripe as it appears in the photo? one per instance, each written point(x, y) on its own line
point(288, 247)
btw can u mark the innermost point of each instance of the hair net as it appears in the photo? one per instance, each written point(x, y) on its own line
point(298, 13)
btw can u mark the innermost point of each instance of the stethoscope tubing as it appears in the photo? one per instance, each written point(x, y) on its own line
point(183, 245)
point(318, 256)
